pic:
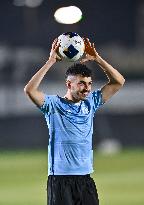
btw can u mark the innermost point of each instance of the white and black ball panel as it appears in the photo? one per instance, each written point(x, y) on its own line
point(71, 46)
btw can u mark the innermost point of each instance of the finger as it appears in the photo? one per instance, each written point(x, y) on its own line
point(57, 46)
point(88, 42)
point(83, 38)
point(95, 50)
point(86, 45)
point(55, 40)
point(58, 58)
point(83, 60)
point(54, 43)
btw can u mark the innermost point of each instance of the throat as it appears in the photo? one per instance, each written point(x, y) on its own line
point(72, 100)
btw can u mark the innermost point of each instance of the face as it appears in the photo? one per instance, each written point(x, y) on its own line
point(79, 87)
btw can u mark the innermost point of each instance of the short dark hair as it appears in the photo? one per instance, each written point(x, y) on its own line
point(78, 69)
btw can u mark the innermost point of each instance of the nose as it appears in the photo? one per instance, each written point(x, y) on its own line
point(87, 87)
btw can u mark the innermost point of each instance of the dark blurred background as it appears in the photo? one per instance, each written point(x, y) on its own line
point(26, 35)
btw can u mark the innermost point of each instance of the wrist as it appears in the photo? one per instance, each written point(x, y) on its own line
point(51, 60)
point(98, 59)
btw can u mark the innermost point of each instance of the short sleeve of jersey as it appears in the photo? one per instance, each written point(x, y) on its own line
point(46, 107)
point(97, 99)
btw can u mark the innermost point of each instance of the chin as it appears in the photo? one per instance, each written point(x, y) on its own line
point(80, 97)
point(83, 98)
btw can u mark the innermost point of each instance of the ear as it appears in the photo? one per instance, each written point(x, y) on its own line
point(68, 84)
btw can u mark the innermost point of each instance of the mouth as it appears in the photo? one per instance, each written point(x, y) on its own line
point(85, 93)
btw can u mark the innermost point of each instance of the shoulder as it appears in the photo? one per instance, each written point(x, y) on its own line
point(50, 98)
point(95, 99)
point(49, 101)
point(95, 94)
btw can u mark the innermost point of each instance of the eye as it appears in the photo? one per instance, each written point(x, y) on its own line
point(81, 83)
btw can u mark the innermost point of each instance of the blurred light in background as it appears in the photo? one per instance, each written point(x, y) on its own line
point(68, 15)
point(28, 3)
point(19, 2)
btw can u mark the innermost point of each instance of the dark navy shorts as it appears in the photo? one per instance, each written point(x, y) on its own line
point(71, 190)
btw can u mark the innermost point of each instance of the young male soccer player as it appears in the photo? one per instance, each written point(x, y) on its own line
point(70, 122)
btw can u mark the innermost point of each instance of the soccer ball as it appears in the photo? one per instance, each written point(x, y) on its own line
point(71, 46)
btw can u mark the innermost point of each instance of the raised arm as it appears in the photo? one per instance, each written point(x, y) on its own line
point(115, 79)
point(32, 88)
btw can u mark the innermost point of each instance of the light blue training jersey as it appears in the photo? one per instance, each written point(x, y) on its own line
point(70, 129)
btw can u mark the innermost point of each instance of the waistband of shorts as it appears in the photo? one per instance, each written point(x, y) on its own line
point(70, 176)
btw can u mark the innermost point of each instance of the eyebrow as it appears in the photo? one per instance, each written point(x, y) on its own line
point(82, 81)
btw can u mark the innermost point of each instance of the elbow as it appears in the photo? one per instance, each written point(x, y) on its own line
point(122, 82)
point(27, 90)
point(119, 84)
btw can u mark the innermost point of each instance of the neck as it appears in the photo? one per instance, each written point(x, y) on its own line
point(70, 98)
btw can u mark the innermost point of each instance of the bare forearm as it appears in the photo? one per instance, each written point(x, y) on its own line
point(113, 75)
point(35, 81)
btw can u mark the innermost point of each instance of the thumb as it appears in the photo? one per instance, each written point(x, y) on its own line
point(84, 60)
point(58, 58)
